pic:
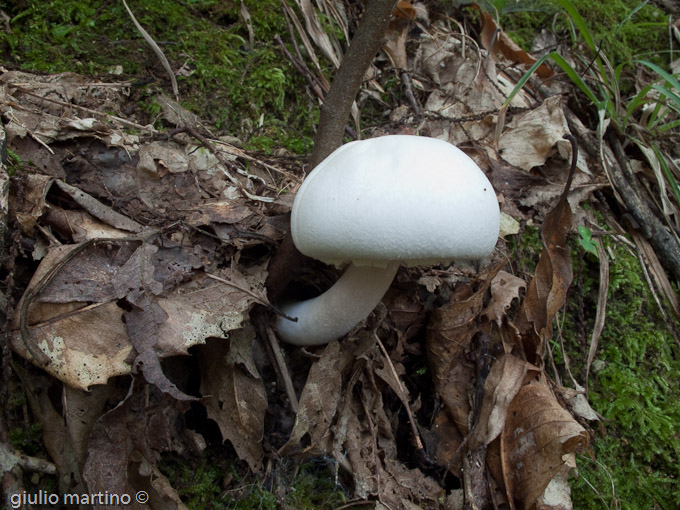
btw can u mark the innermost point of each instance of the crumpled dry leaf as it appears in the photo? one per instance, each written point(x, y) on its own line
point(78, 323)
point(468, 94)
point(506, 377)
point(452, 328)
point(82, 342)
point(396, 35)
point(538, 444)
point(505, 288)
point(56, 436)
point(81, 411)
point(318, 403)
point(27, 204)
point(503, 44)
point(529, 138)
point(129, 439)
point(234, 395)
point(99, 210)
point(547, 291)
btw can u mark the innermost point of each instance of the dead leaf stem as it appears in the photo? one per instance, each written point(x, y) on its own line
point(257, 298)
point(114, 118)
point(302, 69)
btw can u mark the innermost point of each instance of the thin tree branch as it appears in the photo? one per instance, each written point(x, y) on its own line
point(659, 236)
point(335, 111)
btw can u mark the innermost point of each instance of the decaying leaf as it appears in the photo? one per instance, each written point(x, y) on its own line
point(77, 320)
point(85, 344)
point(506, 378)
point(319, 402)
point(505, 288)
point(547, 291)
point(529, 138)
point(129, 439)
point(538, 443)
point(492, 35)
point(234, 395)
point(448, 338)
point(395, 38)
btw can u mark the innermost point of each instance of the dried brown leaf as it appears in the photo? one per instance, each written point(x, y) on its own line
point(505, 287)
point(448, 337)
point(138, 430)
point(85, 347)
point(547, 291)
point(395, 37)
point(538, 443)
point(319, 402)
point(79, 225)
point(530, 137)
point(89, 343)
point(55, 434)
point(27, 203)
point(100, 211)
point(505, 379)
point(234, 395)
point(81, 410)
point(502, 43)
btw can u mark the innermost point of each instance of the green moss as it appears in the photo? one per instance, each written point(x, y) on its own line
point(622, 38)
point(525, 248)
point(225, 80)
point(216, 485)
point(633, 384)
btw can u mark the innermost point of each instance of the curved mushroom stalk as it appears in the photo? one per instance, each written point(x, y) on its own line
point(335, 312)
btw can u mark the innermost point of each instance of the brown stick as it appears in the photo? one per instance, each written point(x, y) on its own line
point(335, 111)
point(665, 244)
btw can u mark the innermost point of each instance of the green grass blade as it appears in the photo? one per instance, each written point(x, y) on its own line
point(580, 24)
point(568, 70)
point(631, 14)
point(637, 101)
point(666, 127)
point(668, 174)
point(668, 77)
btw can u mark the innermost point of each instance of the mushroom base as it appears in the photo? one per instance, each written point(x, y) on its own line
point(334, 313)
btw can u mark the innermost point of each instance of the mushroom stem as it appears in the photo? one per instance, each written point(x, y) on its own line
point(335, 312)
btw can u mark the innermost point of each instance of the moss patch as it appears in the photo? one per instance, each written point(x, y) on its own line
point(244, 90)
point(622, 33)
point(217, 485)
point(633, 384)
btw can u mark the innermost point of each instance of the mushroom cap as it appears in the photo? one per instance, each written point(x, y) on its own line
point(413, 199)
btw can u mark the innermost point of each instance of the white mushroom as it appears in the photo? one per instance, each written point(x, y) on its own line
point(377, 203)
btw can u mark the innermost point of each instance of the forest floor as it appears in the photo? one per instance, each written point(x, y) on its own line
point(139, 358)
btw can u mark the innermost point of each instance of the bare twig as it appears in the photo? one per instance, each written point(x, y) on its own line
point(408, 90)
point(282, 369)
point(108, 116)
point(263, 301)
point(660, 237)
point(366, 42)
